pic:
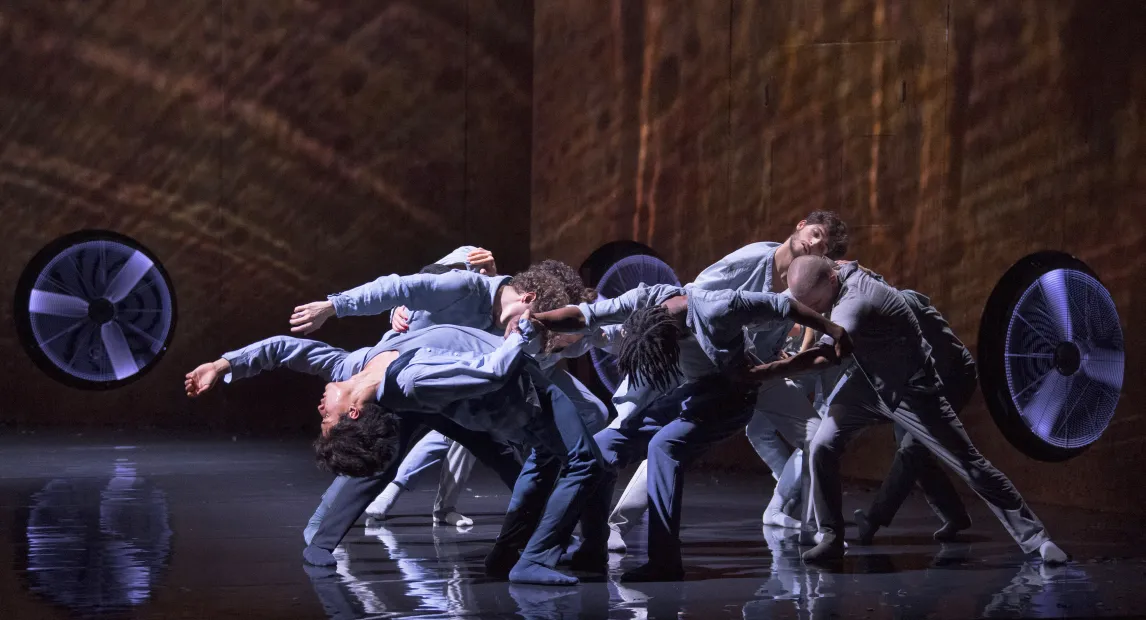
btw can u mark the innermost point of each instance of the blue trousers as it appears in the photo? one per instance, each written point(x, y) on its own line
point(549, 492)
point(710, 410)
point(563, 467)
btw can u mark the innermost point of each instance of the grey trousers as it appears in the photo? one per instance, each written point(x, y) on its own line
point(456, 465)
point(915, 466)
point(926, 415)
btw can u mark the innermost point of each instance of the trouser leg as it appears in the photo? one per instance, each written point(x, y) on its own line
point(456, 470)
point(717, 409)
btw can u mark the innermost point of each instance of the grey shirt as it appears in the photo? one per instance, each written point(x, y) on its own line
point(889, 346)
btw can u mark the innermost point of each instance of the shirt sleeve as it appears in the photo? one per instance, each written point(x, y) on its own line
point(417, 292)
point(730, 272)
point(458, 257)
point(846, 314)
point(306, 356)
point(614, 311)
point(756, 308)
point(631, 400)
point(439, 381)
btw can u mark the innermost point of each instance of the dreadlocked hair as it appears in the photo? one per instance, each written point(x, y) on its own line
point(650, 348)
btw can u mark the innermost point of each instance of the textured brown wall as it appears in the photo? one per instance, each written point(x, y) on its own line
point(268, 153)
point(954, 136)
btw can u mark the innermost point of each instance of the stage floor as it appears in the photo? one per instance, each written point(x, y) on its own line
point(198, 528)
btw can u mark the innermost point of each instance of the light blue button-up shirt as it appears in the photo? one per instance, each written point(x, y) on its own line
point(716, 321)
point(750, 269)
point(466, 299)
point(454, 371)
point(454, 298)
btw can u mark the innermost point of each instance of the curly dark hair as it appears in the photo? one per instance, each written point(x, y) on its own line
point(836, 230)
point(574, 286)
point(359, 447)
point(650, 348)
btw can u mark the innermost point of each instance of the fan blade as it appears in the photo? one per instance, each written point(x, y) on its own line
point(1053, 284)
point(56, 304)
point(1043, 410)
point(122, 361)
point(1104, 366)
point(129, 275)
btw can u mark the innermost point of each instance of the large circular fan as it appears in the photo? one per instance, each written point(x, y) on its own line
point(622, 276)
point(1052, 356)
point(95, 309)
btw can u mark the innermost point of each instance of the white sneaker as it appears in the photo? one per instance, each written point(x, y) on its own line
point(452, 518)
point(1052, 555)
point(384, 502)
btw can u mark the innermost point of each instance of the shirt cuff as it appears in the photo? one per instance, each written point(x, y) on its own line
point(784, 305)
point(529, 337)
point(338, 300)
point(238, 361)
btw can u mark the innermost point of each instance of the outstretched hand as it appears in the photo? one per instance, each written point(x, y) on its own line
point(309, 317)
point(482, 260)
point(201, 380)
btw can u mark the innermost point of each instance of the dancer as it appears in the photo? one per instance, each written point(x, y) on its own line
point(467, 376)
point(913, 463)
point(891, 377)
point(675, 336)
point(460, 298)
point(433, 449)
point(782, 405)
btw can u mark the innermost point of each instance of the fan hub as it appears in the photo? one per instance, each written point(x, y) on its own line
point(1067, 358)
point(101, 311)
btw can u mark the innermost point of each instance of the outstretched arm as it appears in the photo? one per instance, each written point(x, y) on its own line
point(759, 307)
point(567, 320)
point(586, 317)
point(305, 356)
point(416, 292)
point(818, 357)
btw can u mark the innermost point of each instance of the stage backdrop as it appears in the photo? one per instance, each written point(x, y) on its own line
point(954, 136)
point(268, 153)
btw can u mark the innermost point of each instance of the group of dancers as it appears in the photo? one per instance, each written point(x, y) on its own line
point(469, 372)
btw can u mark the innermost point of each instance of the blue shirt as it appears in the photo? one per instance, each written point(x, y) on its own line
point(716, 321)
point(452, 372)
point(750, 269)
point(454, 298)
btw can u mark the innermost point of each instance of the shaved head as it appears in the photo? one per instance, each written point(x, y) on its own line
point(812, 281)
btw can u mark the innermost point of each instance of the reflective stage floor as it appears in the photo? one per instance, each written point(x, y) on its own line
point(110, 527)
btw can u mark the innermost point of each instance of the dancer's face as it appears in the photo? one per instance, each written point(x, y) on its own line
point(514, 309)
point(808, 240)
point(335, 404)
